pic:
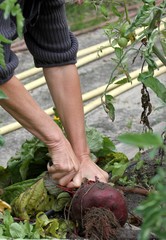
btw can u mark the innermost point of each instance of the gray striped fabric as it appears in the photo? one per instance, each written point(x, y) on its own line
point(8, 30)
point(47, 37)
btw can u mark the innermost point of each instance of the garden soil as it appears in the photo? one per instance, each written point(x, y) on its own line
point(95, 74)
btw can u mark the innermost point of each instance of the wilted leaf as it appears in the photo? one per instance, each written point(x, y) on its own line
point(4, 206)
point(154, 84)
point(14, 190)
point(33, 200)
point(109, 107)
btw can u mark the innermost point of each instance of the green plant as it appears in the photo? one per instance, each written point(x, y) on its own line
point(149, 44)
point(10, 7)
point(9, 229)
point(153, 209)
point(152, 46)
point(43, 227)
point(1, 141)
point(2, 60)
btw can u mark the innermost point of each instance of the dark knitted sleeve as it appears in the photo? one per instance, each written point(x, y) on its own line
point(8, 30)
point(49, 39)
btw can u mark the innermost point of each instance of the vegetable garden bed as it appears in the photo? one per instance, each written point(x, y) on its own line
point(42, 209)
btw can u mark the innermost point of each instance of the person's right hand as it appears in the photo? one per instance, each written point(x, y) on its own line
point(88, 170)
point(64, 165)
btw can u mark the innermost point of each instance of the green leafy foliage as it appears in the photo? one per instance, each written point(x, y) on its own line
point(149, 81)
point(56, 228)
point(9, 229)
point(14, 190)
point(151, 39)
point(32, 155)
point(98, 143)
point(2, 60)
point(1, 140)
point(43, 227)
point(153, 209)
point(114, 163)
point(32, 201)
point(142, 140)
point(109, 107)
point(31, 196)
point(10, 7)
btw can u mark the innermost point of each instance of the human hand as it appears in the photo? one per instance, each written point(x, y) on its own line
point(64, 164)
point(88, 170)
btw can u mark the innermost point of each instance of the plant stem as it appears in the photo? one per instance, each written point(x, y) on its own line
point(154, 24)
point(126, 12)
point(157, 52)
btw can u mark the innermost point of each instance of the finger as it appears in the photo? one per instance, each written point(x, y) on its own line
point(76, 182)
point(59, 175)
point(64, 181)
point(63, 178)
point(54, 169)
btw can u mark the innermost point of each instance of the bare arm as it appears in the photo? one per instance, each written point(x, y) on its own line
point(25, 110)
point(64, 85)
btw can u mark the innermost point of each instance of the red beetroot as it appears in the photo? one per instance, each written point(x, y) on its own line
point(99, 195)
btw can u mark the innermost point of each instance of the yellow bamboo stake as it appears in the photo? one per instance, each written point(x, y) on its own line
point(81, 62)
point(81, 53)
point(98, 91)
point(89, 107)
point(117, 91)
point(93, 49)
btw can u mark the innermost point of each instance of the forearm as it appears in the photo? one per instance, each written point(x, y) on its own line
point(64, 85)
point(27, 112)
